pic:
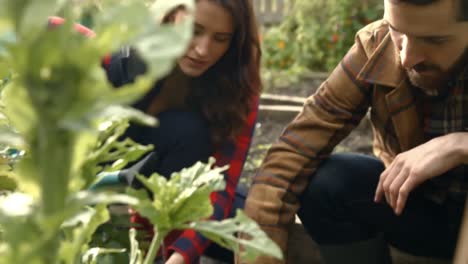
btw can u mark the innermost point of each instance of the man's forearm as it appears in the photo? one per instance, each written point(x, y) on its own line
point(459, 141)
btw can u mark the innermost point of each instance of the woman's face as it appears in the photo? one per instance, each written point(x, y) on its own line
point(214, 29)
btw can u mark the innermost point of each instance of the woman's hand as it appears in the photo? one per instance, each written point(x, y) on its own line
point(176, 258)
point(413, 167)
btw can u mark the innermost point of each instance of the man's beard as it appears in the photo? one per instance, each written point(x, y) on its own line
point(438, 79)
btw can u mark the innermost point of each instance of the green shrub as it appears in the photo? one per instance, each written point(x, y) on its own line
point(316, 34)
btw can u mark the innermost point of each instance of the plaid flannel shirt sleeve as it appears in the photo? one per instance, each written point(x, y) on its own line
point(191, 244)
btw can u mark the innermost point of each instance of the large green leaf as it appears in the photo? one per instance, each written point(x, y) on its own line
point(8, 137)
point(104, 146)
point(112, 234)
point(23, 225)
point(16, 205)
point(80, 229)
point(117, 113)
point(92, 254)
point(26, 177)
point(30, 16)
point(183, 198)
point(18, 109)
point(5, 68)
point(160, 8)
point(91, 198)
point(156, 212)
point(7, 183)
point(19, 227)
point(197, 184)
point(225, 233)
point(136, 256)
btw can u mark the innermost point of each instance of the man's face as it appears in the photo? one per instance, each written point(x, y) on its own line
point(432, 44)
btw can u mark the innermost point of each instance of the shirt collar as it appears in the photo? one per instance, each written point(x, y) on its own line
point(383, 66)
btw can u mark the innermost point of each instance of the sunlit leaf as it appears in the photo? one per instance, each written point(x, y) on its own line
point(18, 109)
point(225, 233)
point(15, 205)
point(91, 198)
point(136, 256)
point(106, 147)
point(183, 198)
point(81, 227)
point(32, 17)
point(9, 137)
point(161, 8)
point(92, 254)
point(7, 183)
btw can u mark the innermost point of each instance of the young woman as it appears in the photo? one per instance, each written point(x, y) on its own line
point(206, 106)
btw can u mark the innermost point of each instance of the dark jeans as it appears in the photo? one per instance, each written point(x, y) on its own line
point(181, 139)
point(338, 208)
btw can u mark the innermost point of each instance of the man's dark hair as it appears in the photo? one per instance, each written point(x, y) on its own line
point(462, 8)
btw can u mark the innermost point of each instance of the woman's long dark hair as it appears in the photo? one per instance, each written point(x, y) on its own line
point(225, 93)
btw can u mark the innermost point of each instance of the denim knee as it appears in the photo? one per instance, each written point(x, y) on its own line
point(341, 174)
point(339, 179)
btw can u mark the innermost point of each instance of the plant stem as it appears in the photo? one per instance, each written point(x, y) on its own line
point(53, 156)
point(154, 247)
point(52, 152)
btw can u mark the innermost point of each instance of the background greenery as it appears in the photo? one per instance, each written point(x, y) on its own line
point(314, 36)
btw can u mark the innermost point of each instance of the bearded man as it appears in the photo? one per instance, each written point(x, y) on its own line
point(410, 72)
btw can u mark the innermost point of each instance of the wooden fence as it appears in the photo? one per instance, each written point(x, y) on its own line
point(270, 12)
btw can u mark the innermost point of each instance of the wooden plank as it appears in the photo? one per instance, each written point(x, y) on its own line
point(271, 11)
point(259, 11)
point(267, 11)
point(280, 8)
point(284, 98)
point(268, 6)
point(257, 6)
point(281, 108)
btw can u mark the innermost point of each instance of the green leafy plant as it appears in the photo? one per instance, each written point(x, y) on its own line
point(316, 35)
point(63, 117)
point(179, 203)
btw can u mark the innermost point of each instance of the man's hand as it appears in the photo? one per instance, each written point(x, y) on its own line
point(413, 167)
point(175, 258)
